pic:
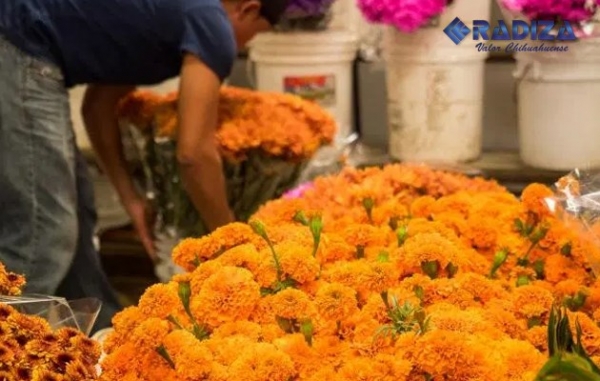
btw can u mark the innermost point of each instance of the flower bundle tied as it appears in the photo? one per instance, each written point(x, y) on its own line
point(265, 139)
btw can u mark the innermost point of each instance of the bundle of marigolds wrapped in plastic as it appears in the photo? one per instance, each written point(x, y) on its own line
point(401, 273)
point(265, 139)
point(31, 351)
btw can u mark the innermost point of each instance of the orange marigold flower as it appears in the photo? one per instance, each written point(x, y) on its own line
point(336, 302)
point(292, 304)
point(534, 199)
point(230, 294)
point(262, 361)
point(531, 302)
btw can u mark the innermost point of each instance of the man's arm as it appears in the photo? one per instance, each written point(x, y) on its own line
point(197, 151)
point(100, 119)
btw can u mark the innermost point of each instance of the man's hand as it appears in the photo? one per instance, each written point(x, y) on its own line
point(99, 116)
point(197, 150)
point(142, 219)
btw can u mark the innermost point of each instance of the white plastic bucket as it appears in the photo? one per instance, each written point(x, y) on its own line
point(315, 65)
point(435, 90)
point(559, 107)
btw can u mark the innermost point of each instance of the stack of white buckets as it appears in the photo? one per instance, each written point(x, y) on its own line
point(435, 88)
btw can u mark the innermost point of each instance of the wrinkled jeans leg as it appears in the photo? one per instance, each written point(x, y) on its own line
point(38, 219)
point(86, 277)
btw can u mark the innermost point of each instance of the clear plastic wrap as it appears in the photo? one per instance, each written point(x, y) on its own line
point(80, 314)
point(577, 204)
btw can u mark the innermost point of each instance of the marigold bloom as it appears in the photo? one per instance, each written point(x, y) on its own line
point(336, 302)
point(231, 294)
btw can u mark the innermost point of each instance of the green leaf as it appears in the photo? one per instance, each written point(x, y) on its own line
point(539, 268)
point(175, 322)
point(419, 292)
point(316, 228)
point(286, 325)
point(569, 368)
point(539, 234)
point(360, 252)
point(196, 262)
point(300, 217)
point(199, 332)
point(185, 292)
point(499, 259)
point(259, 228)
point(383, 256)
point(519, 226)
point(162, 351)
point(523, 280)
point(566, 249)
point(401, 235)
point(393, 223)
point(368, 203)
point(534, 322)
point(451, 270)
point(430, 268)
point(307, 329)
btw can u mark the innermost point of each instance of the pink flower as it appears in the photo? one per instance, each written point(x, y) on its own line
point(406, 15)
point(298, 191)
point(575, 11)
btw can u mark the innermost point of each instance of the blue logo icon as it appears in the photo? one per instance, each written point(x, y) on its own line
point(457, 31)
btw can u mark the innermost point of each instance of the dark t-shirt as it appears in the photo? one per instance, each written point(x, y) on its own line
point(133, 42)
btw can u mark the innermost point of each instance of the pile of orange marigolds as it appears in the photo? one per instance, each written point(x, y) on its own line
point(275, 124)
point(31, 351)
point(400, 273)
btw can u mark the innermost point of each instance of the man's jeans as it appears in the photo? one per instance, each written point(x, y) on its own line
point(86, 278)
point(47, 215)
point(38, 191)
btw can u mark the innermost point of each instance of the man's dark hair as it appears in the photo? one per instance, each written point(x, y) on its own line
point(272, 10)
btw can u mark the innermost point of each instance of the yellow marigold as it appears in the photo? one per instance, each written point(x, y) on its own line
point(230, 294)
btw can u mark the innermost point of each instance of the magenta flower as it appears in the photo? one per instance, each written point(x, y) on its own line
point(298, 191)
point(406, 15)
point(575, 11)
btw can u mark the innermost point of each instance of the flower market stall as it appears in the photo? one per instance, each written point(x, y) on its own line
point(266, 139)
point(399, 273)
point(434, 85)
point(565, 73)
point(395, 273)
point(307, 58)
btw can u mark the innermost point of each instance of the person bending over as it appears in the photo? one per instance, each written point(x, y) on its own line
point(48, 46)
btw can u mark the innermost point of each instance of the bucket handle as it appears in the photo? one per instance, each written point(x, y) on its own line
point(521, 73)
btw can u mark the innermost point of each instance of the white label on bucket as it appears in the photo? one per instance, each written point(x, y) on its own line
point(318, 88)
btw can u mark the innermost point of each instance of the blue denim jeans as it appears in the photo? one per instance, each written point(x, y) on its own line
point(38, 192)
point(86, 277)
